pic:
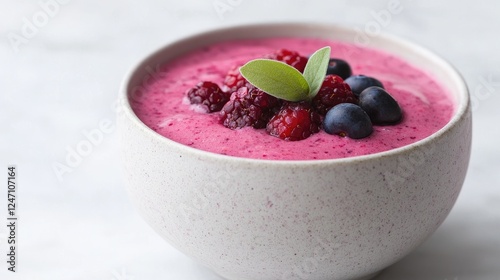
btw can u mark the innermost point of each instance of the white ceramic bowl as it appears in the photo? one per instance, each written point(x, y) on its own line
point(250, 219)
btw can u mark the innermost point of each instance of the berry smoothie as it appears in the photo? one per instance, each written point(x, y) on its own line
point(426, 105)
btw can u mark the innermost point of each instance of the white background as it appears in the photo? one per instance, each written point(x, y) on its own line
point(62, 82)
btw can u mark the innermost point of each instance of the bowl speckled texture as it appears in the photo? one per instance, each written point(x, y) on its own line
point(327, 219)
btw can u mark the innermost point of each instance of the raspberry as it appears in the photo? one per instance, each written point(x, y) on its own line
point(248, 106)
point(234, 80)
point(295, 121)
point(208, 94)
point(291, 58)
point(333, 91)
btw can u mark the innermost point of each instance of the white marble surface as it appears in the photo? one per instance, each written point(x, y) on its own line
point(64, 78)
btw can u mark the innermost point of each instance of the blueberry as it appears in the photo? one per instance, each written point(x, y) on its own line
point(358, 83)
point(348, 119)
point(339, 67)
point(380, 106)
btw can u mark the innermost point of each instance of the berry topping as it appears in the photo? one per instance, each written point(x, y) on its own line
point(359, 83)
point(333, 91)
point(208, 94)
point(233, 80)
point(292, 105)
point(295, 121)
point(339, 67)
point(249, 106)
point(380, 106)
point(289, 57)
point(348, 120)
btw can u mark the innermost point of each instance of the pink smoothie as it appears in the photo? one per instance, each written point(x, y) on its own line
point(426, 104)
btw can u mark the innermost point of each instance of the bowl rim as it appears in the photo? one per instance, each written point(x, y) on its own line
point(461, 109)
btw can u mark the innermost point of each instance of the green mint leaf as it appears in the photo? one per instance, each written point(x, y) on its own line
point(277, 79)
point(315, 70)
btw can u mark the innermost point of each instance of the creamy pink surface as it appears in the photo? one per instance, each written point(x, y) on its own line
point(162, 106)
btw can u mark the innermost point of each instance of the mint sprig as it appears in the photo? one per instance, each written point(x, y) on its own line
point(284, 81)
point(276, 78)
point(315, 70)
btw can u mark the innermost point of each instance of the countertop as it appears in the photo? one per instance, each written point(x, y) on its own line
point(61, 66)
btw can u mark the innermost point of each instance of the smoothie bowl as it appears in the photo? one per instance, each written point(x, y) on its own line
point(252, 206)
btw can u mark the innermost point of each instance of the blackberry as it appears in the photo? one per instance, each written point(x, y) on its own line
point(249, 106)
point(209, 95)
